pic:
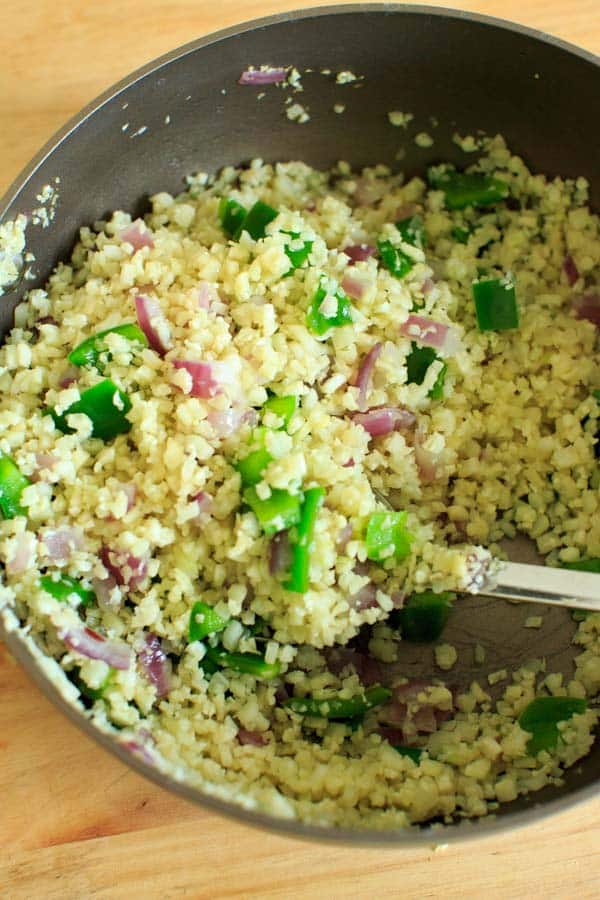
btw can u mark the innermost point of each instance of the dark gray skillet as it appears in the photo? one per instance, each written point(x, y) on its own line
point(470, 73)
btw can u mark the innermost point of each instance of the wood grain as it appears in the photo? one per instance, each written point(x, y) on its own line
point(74, 822)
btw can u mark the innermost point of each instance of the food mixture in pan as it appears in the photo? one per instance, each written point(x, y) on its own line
point(255, 444)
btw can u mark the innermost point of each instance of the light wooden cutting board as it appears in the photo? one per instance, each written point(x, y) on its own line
point(74, 822)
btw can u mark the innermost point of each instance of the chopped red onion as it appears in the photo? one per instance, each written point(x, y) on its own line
point(206, 295)
point(203, 500)
point(427, 286)
point(359, 252)
point(61, 542)
point(252, 738)
point(385, 419)
point(427, 462)
point(368, 669)
point(264, 75)
point(138, 749)
point(398, 598)
point(588, 307)
point(365, 373)
point(430, 333)
point(149, 309)
point(156, 665)
point(104, 588)
point(349, 464)
point(280, 553)
point(69, 377)
point(126, 569)
point(570, 270)
point(226, 422)
point(356, 284)
point(23, 554)
point(93, 645)
point(138, 235)
point(204, 384)
point(344, 536)
point(365, 598)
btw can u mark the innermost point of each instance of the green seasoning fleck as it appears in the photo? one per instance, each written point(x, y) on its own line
point(417, 362)
point(283, 407)
point(414, 753)
point(12, 483)
point(423, 616)
point(252, 466)
point(495, 304)
point(279, 511)
point(248, 663)
point(395, 260)
point(98, 404)
point(387, 536)
point(302, 540)
point(64, 587)
point(204, 621)
point(317, 321)
point(472, 189)
point(541, 717)
point(297, 251)
point(412, 231)
point(231, 217)
point(335, 708)
point(257, 219)
point(88, 352)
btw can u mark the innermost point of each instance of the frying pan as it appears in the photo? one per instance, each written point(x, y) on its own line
point(456, 73)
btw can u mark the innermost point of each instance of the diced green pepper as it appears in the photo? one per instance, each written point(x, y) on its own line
point(387, 536)
point(94, 693)
point(231, 217)
point(495, 304)
point(88, 352)
point(414, 753)
point(541, 717)
point(596, 395)
point(302, 540)
point(463, 189)
point(248, 663)
point(417, 363)
point(258, 218)
point(12, 484)
point(424, 616)
point(336, 708)
point(98, 404)
point(296, 255)
point(461, 235)
point(319, 323)
point(412, 231)
point(283, 407)
point(395, 260)
point(279, 511)
point(583, 565)
point(204, 621)
point(251, 467)
point(64, 587)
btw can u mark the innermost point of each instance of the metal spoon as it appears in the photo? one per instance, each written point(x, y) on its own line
point(540, 584)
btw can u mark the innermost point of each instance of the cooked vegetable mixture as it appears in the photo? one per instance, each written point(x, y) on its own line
point(254, 444)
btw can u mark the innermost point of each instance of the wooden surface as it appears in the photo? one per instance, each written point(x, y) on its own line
point(74, 822)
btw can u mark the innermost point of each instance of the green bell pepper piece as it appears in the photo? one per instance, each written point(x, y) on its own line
point(414, 753)
point(299, 255)
point(320, 324)
point(461, 235)
point(495, 304)
point(335, 708)
point(257, 219)
point(231, 217)
point(204, 621)
point(394, 259)
point(417, 363)
point(283, 407)
point(596, 395)
point(412, 231)
point(64, 586)
point(279, 511)
point(12, 484)
point(583, 565)
point(424, 616)
point(88, 352)
point(247, 663)
point(97, 403)
point(463, 189)
point(94, 693)
point(302, 540)
point(541, 717)
point(387, 536)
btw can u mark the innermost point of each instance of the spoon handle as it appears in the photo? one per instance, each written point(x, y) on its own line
point(544, 584)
